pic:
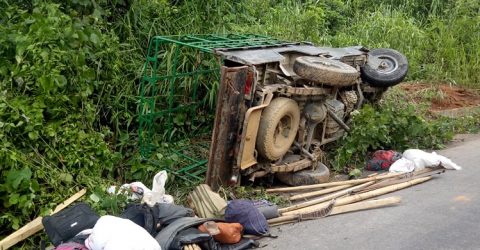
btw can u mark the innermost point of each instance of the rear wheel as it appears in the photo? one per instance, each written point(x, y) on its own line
point(384, 68)
point(320, 174)
point(326, 71)
point(278, 128)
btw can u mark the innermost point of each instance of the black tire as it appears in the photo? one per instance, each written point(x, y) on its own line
point(323, 70)
point(320, 174)
point(384, 68)
point(278, 128)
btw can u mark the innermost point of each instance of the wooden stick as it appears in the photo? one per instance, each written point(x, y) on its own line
point(332, 184)
point(363, 205)
point(281, 223)
point(389, 182)
point(317, 193)
point(283, 219)
point(35, 225)
point(324, 198)
point(69, 201)
point(359, 197)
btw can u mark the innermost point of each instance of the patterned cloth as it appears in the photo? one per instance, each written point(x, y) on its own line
point(71, 246)
point(382, 160)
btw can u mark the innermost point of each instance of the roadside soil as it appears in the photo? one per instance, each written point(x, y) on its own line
point(441, 96)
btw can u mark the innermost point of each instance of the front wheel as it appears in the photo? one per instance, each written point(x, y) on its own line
point(384, 68)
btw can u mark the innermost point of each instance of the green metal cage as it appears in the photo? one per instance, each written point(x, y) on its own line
point(179, 82)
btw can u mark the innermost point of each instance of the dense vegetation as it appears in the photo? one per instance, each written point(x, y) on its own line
point(69, 74)
point(395, 124)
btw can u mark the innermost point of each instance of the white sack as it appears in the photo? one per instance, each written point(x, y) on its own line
point(447, 163)
point(424, 159)
point(113, 233)
point(402, 165)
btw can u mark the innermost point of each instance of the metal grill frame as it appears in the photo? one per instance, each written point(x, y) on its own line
point(159, 96)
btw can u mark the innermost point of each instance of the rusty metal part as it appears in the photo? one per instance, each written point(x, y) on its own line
point(302, 129)
point(310, 132)
point(361, 98)
point(257, 174)
point(315, 113)
point(338, 120)
point(246, 156)
point(286, 65)
point(305, 152)
point(355, 61)
point(306, 91)
point(291, 167)
point(328, 140)
point(225, 131)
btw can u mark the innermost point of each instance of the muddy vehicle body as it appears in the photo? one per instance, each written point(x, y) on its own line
point(278, 106)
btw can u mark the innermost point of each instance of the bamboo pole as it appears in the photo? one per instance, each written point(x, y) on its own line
point(324, 198)
point(359, 197)
point(389, 182)
point(363, 205)
point(281, 223)
point(317, 193)
point(36, 225)
point(283, 219)
point(332, 184)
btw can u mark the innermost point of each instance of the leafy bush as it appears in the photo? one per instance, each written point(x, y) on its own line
point(50, 134)
point(393, 126)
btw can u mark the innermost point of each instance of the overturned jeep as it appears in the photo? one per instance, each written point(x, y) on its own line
point(279, 106)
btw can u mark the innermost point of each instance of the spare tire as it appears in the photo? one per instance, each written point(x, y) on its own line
point(384, 68)
point(320, 174)
point(278, 128)
point(323, 70)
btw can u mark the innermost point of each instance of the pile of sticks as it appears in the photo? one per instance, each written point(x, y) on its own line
point(332, 198)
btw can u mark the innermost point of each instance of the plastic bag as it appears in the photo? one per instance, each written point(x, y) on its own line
point(403, 165)
point(113, 233)
point(141, 192)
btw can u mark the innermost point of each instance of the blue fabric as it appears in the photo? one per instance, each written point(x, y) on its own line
point(245, 213)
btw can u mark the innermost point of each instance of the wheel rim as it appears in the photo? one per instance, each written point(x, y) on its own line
point(385, 64)
point(282, 130)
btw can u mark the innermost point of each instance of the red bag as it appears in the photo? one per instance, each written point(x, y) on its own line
point(228, 233)
point(71, 246)
point(382, 160)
